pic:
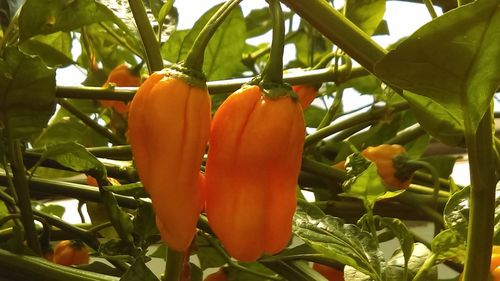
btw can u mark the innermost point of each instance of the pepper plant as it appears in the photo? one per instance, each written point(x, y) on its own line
point(286, 182)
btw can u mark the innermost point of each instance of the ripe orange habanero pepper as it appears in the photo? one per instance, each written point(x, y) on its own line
point(121, 76)
point(306, 94)
point(70, 252)
point(254, 159)
point(169, 124)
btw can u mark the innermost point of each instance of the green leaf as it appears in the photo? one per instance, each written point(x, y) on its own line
point(258, 22)
point(160, 252)
point(139, 272)
point(145, 225)
point(117, 249)
point(234, 274)
point(448, 245)
point(311, 210)
point(27, 93)
point(54, 49)
point(75, 157)
point(442, 124)
point(209, 257)
point(313, 116)
point(442, 163)
point(223, 52)
point(366, 14)
point(345, 243)
point(399, 229)
point(453, 60)
point(456, 212)
point(48, 16)
point(51, 209)
point(395, 266)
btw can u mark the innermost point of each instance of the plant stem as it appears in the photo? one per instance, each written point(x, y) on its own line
point(19, 268)
point(23, 194)
point(91, 123)
point(429, 262)
point(374, 114)
point(343, 33)
point(332, 111)
point(407, 135)
point(151, 45)
point(215, 87)
point(430, 8)
point(273, 72)
point(173, 268)
point(482, 198)
point(194, 58)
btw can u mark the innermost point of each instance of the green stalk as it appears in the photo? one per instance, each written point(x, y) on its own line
point(332, 111)
point(343, 33)
point(407, 135)
point(482, 198)
point(174, 267)
point(20, 268)
point(273, 72)
point(195, 56)
point(374, 114)
point(430, 8)
point(91, 123)
point(23, 194)
point(151, 45)
point(429, 262)
point(215, 87)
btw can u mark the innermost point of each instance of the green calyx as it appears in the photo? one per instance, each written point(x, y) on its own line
point(191, 76)
point(403, 169)
point(274, 90)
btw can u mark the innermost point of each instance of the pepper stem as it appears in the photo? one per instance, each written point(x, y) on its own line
point(273, 72)
point(195, 56)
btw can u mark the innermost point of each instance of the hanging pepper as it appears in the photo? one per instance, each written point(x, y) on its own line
point(389, 169)
point(169, 124)
point(70, 252)
point(122, 76)
point(306, 93)
point(253, 164)
point(494, 264)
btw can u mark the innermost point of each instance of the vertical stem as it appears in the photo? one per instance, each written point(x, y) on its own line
point(273, 72)
point(174, 266)
point(482, 198)
point(151, 45)
point(195, 56)
point(371, 221)
point(23, 194)
point(430, 8)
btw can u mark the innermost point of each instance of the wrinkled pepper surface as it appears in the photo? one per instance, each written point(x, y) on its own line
point(306, 94)
point(121, 76)
point(169, 124)
point(383, 156)
point(254, 159)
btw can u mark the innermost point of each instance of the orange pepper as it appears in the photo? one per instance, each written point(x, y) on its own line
point(383, 156)
point(254, 158)
point(306, 93)
point(121, 76)
point(217, 276)
point(70, 252)
point(329, 273)
point(168, 129)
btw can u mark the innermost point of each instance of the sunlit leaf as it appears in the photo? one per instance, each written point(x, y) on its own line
point(452, 60)
point(366, 14)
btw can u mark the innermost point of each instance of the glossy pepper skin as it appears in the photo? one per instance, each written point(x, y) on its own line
point(494, 264)
point(329, 273)
point(169, 124)
point(383, 156)
point(306, 94)
point(254, 159)
point(121, 76)
point(70, 252)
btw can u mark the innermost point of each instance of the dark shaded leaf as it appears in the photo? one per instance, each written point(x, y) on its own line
point(27, 93)
point(139, 272)
point(395, 266)
point(54, 49)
